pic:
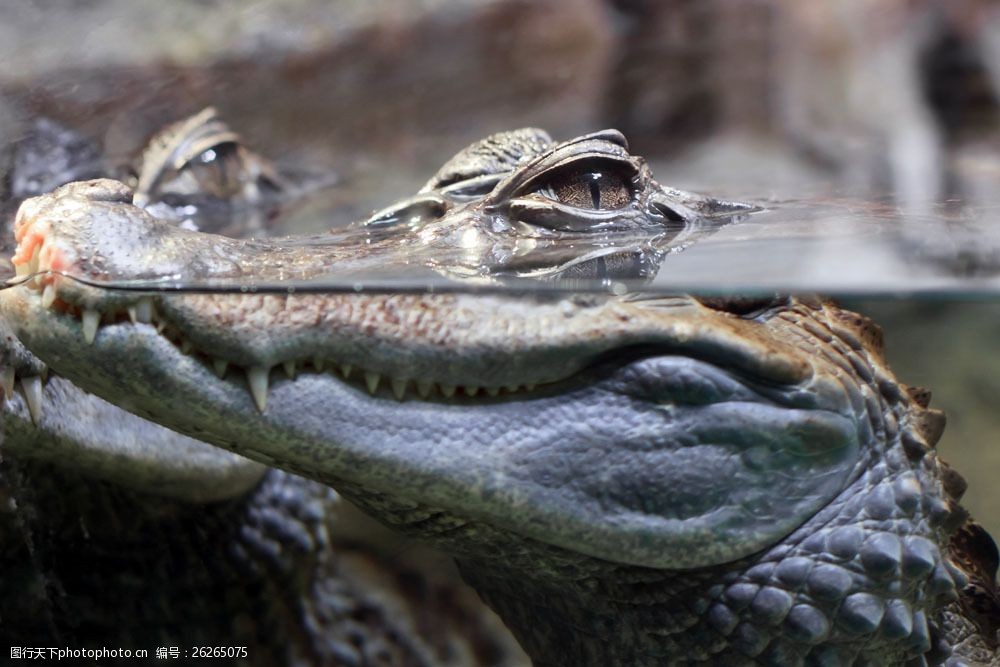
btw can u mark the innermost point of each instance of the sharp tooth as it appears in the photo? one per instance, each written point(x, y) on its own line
point(91, 320)
point(371, 381)
point(512, 387)
point(186, 346)
point(48, 296)
point(36, 282)
point(399, 388)
point(7, 378)
point(143, 310)
point(32, 388)
point(530, 386)
point(318, 363)
point(471, 391)
point(493, 391)
point(131, 313)
point(448, 390)
point(345, 370)
point(289, 367)
point(22, 269)
point(424, 388)
point(220, 366)
point(160, 326)
point(257, 377)
point(44, 373)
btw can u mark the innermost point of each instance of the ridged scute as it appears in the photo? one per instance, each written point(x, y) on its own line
point(929, 423)
point(975, 554)
point(496, 154)
point(919, 395)
point(859, 328)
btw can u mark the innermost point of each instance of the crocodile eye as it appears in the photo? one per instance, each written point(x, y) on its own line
point(217, 170)
point(593, 188)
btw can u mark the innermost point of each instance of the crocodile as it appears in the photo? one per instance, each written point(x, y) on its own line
point(118, 532)
point(634, 479)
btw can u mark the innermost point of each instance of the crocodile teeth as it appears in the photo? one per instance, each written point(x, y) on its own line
point(36, 282)
point(318, 363)
point(493, 391)
point(22, 269)
point(91, 320)
point(220, 366)
point(186, 346)
point(257, 378)
point(143, 311)
point(530, 386)
point(289, 367)
point(33, 267)
point(7, 379)
point(512, 387)
point(448, 390)
point(345, 370)
point(424, 388)
point(471, 391)
point(371, 381)
point(399, 389)
point(48, 296)
point(32, 388)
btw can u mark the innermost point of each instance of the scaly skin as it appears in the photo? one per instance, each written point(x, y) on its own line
point(97, 565)
point(625, 480)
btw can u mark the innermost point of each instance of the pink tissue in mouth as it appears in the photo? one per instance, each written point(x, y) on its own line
point(26, 246)
point(50, 257)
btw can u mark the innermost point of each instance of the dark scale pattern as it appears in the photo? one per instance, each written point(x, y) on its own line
point(862, 582)
point(87, 564)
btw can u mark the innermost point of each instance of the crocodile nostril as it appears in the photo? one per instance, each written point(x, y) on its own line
point(667, 211)
point(414, 211)
point(102, 189)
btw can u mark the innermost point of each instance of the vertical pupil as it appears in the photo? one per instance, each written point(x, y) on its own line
point(595, 189)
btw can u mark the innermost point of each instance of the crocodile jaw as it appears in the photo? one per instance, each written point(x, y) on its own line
point(83, 434)
point(619, 461)
point(47, 418)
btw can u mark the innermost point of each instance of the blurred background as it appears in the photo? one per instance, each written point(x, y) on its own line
point(889, 102)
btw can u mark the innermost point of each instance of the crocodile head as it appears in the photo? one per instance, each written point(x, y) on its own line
point(628, 480)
